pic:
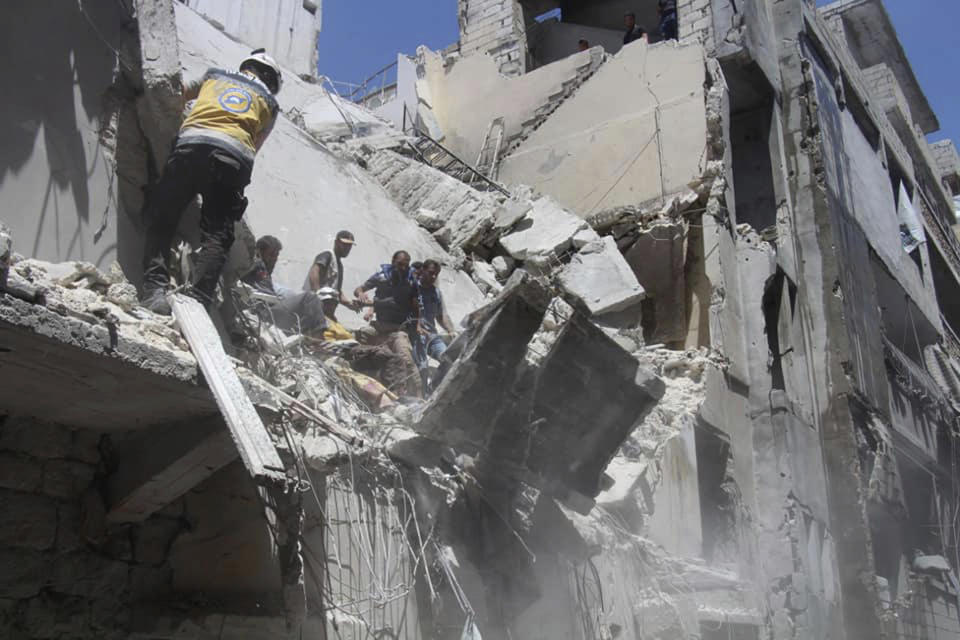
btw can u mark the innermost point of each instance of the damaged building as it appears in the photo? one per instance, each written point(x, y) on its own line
point(706, 381)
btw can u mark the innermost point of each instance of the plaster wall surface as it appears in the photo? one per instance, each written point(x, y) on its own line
point(59, 125)
point(303, 194)
point(872, 39)
point(406, 93)
point(860, 186)
point(288, 29)
point(468, 96)
point(635, 132)
point(555, 40)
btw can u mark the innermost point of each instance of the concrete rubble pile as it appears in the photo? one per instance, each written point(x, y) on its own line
point(702, 387)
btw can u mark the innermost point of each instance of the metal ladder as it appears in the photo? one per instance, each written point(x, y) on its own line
point(488, 160)
point(434, 154)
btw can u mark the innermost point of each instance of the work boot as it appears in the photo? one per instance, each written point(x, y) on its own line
point(156, 300)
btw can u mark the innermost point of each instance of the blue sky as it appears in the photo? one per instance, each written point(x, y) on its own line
point(361, 36)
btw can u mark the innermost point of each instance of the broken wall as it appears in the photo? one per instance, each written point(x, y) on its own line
point(288, 29)
point(63, 572)
point(468, 95)
point(634, 132)
point(65, 120)
point(553, 40)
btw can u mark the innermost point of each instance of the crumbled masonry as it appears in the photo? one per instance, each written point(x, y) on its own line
point(702, 386)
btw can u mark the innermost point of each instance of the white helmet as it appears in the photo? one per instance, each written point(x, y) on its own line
point(259, 60)
point(327, 293)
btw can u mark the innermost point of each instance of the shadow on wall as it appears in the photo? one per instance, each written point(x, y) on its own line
point(59, 69)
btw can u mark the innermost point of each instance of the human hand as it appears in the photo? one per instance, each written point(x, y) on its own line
point(368, 314)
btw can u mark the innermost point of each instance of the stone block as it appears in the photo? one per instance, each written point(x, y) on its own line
point(66, 478)
point(27, 521)
point(429, 219)
point(86, 446)
point(503, 266)
point(552, 379)
point(34, 437)
point(88, 574)
point(486, 277)
point(53, 615)
point(69, 520)
point(22, 573)
point(601, 279)
point(546, 229)
point(19, 472)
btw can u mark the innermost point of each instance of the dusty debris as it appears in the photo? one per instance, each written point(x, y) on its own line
point(600, 278)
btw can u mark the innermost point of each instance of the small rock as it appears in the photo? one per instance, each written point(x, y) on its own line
point(503, 266)
point(486, 277)
point(124, 295)
point(429, 219)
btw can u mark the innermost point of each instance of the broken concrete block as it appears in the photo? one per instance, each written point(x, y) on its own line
point(22, 573)
point(27, 521)
point(503, 266)
point(510, 213)
point(658, 259)
point(547, 229)
point(601, 279)
point(584, 237)
point(486, 277)
point(549, 375)
point(19, 472)
point(466, 226)
point(428, 219)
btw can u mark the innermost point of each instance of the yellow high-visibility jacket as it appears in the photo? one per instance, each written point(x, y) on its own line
point(232, 111)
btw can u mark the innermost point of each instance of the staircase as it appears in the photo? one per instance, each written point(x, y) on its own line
point(434, 154)
point(567, 89)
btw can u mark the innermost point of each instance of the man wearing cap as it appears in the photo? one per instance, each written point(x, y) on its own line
point(327, 269)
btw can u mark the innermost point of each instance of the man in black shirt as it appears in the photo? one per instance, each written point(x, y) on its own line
point(394, 291)
point(634, 31)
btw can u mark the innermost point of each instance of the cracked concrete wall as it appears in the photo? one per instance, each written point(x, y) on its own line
point(64, 123)
point(466, 97)
point(595, 153)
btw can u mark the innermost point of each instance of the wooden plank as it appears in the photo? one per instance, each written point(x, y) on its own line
point(251, 438)
point(161, 464)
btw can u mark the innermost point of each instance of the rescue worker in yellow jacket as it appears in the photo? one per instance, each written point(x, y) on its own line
point(213, 156)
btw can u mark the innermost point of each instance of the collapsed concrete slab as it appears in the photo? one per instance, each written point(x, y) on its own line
point(635, 131)
point(540, 390)
point(546, 230)
point(600, 278)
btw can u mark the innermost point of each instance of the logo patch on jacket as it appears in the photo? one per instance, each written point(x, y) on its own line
point(236, 100)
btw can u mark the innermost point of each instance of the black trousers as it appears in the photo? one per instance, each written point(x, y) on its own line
point(219, 178)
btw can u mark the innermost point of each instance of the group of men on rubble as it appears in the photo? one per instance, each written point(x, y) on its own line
point(213, 156)
point(404, 315)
